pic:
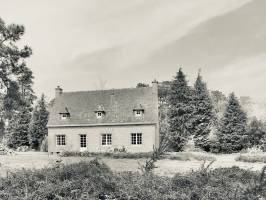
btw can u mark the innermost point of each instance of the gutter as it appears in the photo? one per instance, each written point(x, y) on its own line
point(105, 124)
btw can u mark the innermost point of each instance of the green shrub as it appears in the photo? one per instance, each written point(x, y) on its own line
point(93, 179)
point(116, 155)
point(251, 158)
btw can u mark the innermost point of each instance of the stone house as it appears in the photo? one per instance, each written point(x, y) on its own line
point(104, 120)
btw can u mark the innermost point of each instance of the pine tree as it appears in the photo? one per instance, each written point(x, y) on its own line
point(203, 116)
point(255, 132)
point(38, 129)
point(18, 128)
point(180, 111)
point(232, 134)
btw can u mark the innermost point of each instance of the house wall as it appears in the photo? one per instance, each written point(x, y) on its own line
point(121, 136)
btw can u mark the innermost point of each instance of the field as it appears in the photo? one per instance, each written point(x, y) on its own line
point(182, 162)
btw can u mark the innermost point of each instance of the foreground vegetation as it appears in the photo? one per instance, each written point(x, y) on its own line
point(252, 158)
point(94, 180)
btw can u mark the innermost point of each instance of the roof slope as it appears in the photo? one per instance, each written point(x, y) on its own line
point(118, 105)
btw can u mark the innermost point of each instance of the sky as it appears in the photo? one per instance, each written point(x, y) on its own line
point(96, 44)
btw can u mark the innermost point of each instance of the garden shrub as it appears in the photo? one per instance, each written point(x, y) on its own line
point(94, 179)
point(115, 155)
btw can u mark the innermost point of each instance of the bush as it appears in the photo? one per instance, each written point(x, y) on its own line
point(115, 155)
point(94, 179)
point(252, 158)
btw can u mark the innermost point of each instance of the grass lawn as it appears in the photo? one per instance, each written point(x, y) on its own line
point(183, 162)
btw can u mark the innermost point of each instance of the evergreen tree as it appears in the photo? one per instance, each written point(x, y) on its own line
point(180, 111)
point(232, 134)
point(18, 128)
point(256, 132)
point(203, 116)
point(38, 129)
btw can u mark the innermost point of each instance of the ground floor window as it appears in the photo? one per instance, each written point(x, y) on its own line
point(136, 138)
point(83, 141)
point(61, 140)
point(107, 139)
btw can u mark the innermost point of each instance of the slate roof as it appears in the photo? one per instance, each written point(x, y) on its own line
point(118, 105)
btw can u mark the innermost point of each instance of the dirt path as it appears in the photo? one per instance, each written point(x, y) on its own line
point(164, 167)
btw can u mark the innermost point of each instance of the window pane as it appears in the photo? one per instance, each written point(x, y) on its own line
point(61, 140)
point(136, 138)
point(106, 139)
point(83, 142)
point(139, 138)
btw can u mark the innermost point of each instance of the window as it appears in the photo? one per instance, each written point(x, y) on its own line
point(99, 115)
point(136, 138)
point(61, 140)
point(83, 141)
point(65, 115)
point(138, 113)
point(106, 139)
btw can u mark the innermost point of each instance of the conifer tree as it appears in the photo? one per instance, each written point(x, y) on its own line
point(180, 111)
point(232, 134)
point(18, 128)
point(255, 132)
point(38, 129)
point(203, 116)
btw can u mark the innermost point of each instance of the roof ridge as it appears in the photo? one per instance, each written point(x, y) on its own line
point(105, 90)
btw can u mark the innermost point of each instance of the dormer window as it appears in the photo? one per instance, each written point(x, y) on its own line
point(138, 110)
point(64, 114)
point(100, 112)
point(99, 115)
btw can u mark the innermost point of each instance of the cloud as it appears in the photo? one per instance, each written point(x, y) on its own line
point(81, 38)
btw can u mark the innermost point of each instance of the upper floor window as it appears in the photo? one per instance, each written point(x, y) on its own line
point(61, 140)
point(138, 113)
point(107, 139)
point(99, 112)
point(138, 110)
point(64, 113)
point(136, 138)
point(99, 115)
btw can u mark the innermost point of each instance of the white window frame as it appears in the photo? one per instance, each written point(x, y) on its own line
point(136, 139)
point(83, 140)
point(106, 139)
point(61, 140)
point(99, 115)
point(64, 115)
point(138, 113)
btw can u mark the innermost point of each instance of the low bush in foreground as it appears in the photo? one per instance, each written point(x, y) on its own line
point(115, 155)
point(251, 158)
point(95, 180)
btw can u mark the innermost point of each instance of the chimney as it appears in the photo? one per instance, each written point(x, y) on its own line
point(155, 84)
point(58, 92)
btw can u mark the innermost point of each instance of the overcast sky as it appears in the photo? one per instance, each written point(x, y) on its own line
point(87, 44)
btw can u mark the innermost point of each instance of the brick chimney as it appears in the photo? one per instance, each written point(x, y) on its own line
point(58, 91)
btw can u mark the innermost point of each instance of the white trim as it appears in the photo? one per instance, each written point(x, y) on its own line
point(105, 124)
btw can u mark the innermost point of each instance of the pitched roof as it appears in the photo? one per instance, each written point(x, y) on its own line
point(118, 105)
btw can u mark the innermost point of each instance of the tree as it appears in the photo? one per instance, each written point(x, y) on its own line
point(232, 134)
point(14, 75)
point(256, 133)
point(180, 111)
point(203, 116)
point(39, 120)
point(140, 85)
point(18, 128)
